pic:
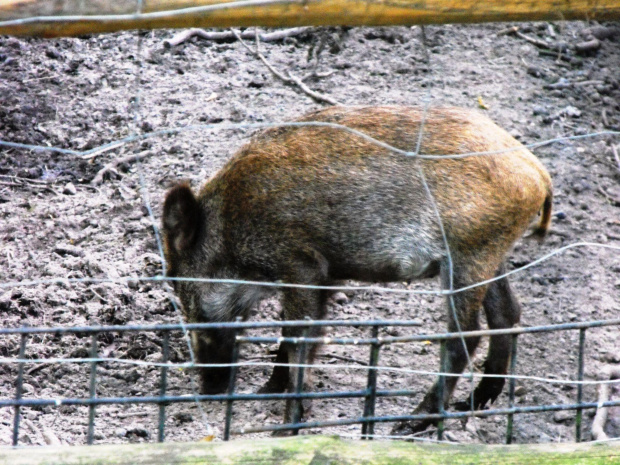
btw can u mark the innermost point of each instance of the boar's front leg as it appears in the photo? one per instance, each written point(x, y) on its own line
point(278, 382)
point(298, 304)
point(298, 299)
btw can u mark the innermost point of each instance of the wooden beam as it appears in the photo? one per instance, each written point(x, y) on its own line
point(53, 18)
point(315, 450)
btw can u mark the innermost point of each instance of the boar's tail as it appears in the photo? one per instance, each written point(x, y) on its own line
point(540, 231)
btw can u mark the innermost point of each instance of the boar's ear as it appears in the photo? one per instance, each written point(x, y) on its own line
point(181, 218)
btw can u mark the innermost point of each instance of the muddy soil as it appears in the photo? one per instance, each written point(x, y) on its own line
point(84, 92)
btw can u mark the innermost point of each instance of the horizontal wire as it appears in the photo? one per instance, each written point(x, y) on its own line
point(193, 365)
point(23, 283)
point(436, 441)
point(326, 340)
point(389, 436)
point(455, 414)
point(225, 325)
point(228, 126)
point(427, 416)
point(148, 16)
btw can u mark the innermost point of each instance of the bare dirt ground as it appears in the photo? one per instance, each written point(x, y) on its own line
point(83, 92)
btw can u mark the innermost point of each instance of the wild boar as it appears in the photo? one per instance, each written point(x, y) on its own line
point(318, 205)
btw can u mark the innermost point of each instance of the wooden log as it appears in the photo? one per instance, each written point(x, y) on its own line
point(315, 450)
point(53, 18)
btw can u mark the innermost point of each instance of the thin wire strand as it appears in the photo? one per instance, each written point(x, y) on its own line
point(433, 202)
point(86, 154)
point(124, 280)
point(146, 16)
point(388, 436)
point(192, 365)
point(147, 203)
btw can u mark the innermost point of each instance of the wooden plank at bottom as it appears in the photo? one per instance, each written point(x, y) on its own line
point(54, 18)
point(313, 450)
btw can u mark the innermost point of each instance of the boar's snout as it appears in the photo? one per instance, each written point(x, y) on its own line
point(213, 347)
point(214, 380)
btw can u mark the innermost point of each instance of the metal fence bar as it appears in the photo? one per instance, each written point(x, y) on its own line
point(579, 414)
point(231, 386)
point(93, 389)
point(218, 325)
point(163, 379)
point(433, 337)
point(441, 386)
point(368, 429)
point(297, 403)
point(199, 398)
point(367, 420)
point(19, 389)
point(280, 396)
point(426, 416)
point(511, 388)
point(311, 323)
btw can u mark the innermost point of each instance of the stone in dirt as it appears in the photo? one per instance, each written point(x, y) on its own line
point(69, 189)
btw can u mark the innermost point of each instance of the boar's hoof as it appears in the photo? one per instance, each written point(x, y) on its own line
point(306, 405)
point(464, 406)
point(487, 391)
point(213, 389)
point(209, 386)
point(270, 388)
point(275, 385)
point(284, 433)
point(407, 428)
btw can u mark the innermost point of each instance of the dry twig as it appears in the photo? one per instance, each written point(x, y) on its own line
point(344, 358)
point(614, 150)
point(25, 182)
point(588, 45)
point(290, 79)
point(508, 30)
point(598, 423)
point(102, 149)
point(559, 47)
point(613, 200)
point(221, 36)
point(111, 167)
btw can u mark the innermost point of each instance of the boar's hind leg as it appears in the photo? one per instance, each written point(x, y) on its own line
point(466, 307)
point(502, 311)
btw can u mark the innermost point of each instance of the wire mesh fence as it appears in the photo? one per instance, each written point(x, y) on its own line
point(367, 419)
point(376, 341)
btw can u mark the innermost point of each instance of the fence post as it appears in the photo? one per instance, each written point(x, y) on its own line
point(441, 386)
point(19, 388)
point(301, 350)
point(231, 382)
point(93, 389)
point(368, 428)
point(579, 414)
point(511, 388)
point(163, 378)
